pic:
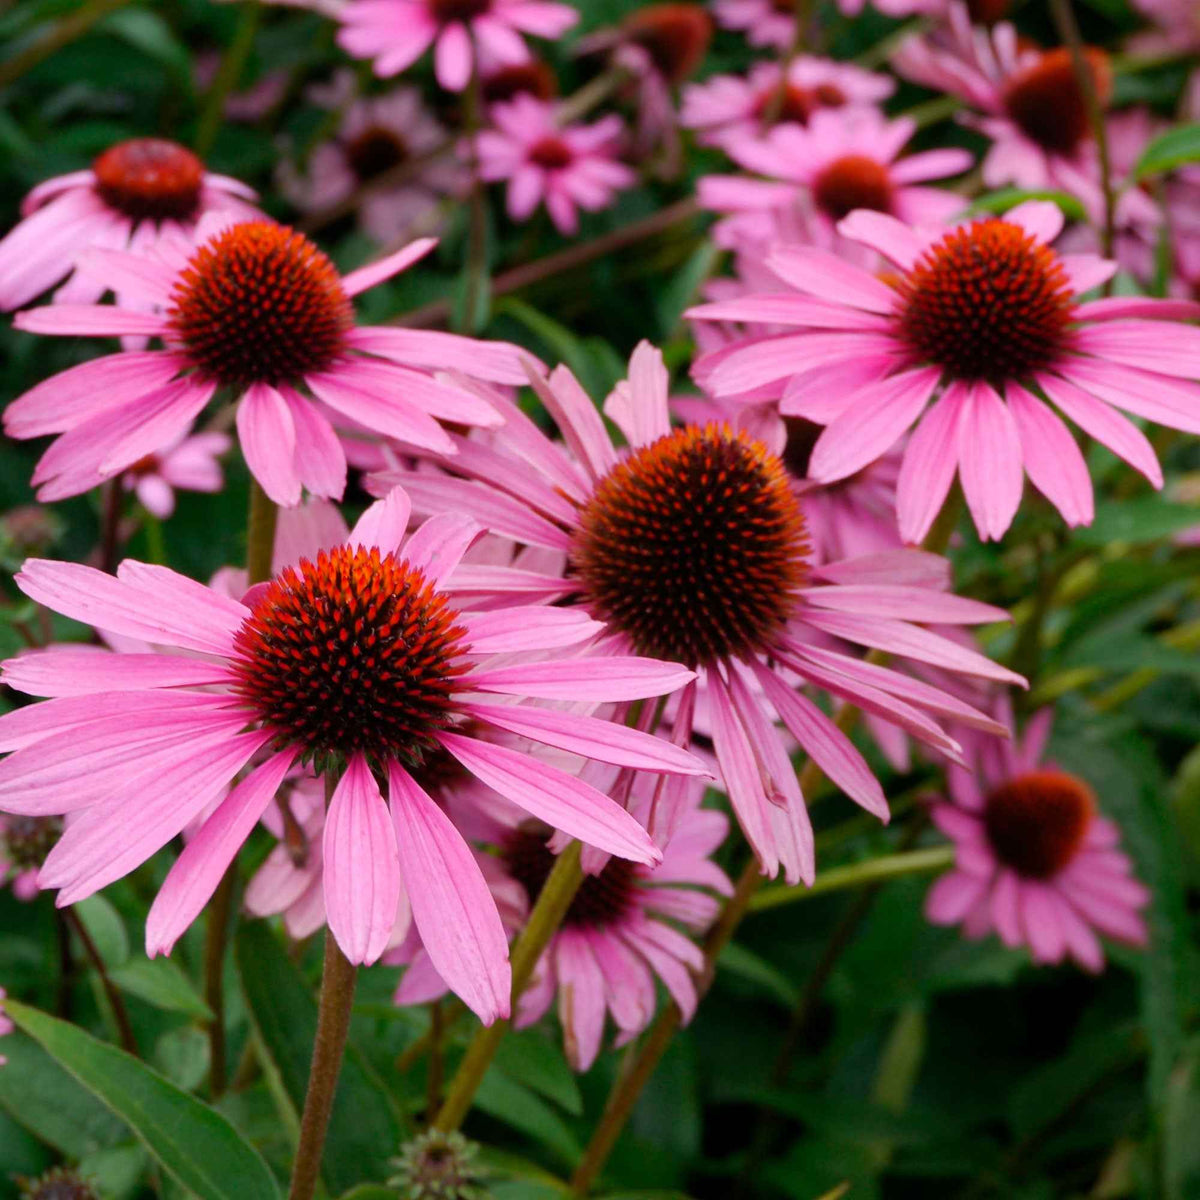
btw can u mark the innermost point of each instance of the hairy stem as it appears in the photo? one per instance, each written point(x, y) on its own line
point(333, 1025)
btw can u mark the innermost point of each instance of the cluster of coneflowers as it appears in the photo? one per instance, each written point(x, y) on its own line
point(571, 629)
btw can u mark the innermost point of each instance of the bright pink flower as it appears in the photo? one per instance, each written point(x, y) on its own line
point(564, 167)
point(262, 682)
point(190, 463)
point(618, 935)
point(134, 195)
point(979, 320)
point(259, 312)
point(376, 135)
point(816, 174)
point(733, 108)
point(1035, 861)
point(714, 576)
point(395, 33)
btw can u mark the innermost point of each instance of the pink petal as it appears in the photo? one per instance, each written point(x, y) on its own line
point(1162, 347)
point(89, 320)
point(451, 904)
point(438, 545)
point(452, 57)
point(623, 678)
point(890, 237)
point(390, 415)
point(1052, 457)
point(819, 273)
point(384, 268)
point(952, 897)
point(320, 460)
point(907, 603)
point(268, 439)
point(362, 870)
point(989, 452)
point(581, 1007)
point(498, 362)
point(528, 627)
point(929, 465)
point(575, 415)
point(384, 524)
point(81, 670)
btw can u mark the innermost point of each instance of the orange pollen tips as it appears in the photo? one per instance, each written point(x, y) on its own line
point(259, 303)
point(373, 151)
point(602, 899)
point(1036, 823)
point(853, 181)
point(150, 179)
point(1046, 102)
point(694, 546)
point(675, 36)
point(355, 652)
point(551, 153)
point(988, 301)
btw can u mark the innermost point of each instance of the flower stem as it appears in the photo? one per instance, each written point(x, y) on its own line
point(333, 1025)
point(233, 63)
point(476, 292)
point(120, 1012)
point(552, 904)
point(62, 34)
point(433, 1074)
point(111, 495)
point(1068, 30)
point(260, 534)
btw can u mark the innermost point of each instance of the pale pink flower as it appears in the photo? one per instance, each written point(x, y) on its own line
point(1178, 27)
point(733, 108)
point(133, 196)
point(376, 135)
point(564, 167)
point(773, 22)
point(1035, 861)
point(138, 744)
point(987, 322)
point(679, 568)
point(395, 33)
point(841, 161)
point(619, 933)
point(190, 463)
point(257, 311)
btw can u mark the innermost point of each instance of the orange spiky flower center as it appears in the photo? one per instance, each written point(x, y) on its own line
point(1046, 103)
point(694, 546)
point(1036, 822)
point(354, 652)
point(259, 303)
point(150, 179)
point(988, 301)
point(375, 150)
point(602, 900)
point(850, 182)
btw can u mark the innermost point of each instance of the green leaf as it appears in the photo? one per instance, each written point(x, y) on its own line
point(115, 1173)
point(517, 1106)
point(1181, 1119)
point(38, 1094)
point(364, 1127)
point(1006, 198)
point(1168, 151)
point(196, 1146)
point(150, 34)
point(182, 1056)
point(737, 960)
point(106, 929)
point(677, 294)
point(533, 1059)
point(1137, 520)
point(161, 982)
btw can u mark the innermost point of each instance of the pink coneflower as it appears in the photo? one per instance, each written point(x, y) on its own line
point(395, 33)
point(24, 844)
point(257, 311)
point(376, 135)
point(502, 83)
point(190, 464)
point(841, 161)
point(773, 22)
point(618, 935)
point(1178, 27)
point(563, 167)
point(987, 320)
point(1033, 108)
point(735, 107)
point(1035, 861)
point(692, 547)
point(135, 194)
point(354, 660)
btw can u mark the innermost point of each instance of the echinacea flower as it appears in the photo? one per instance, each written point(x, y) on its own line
point(257, 311)
point(618, 934)
point(840, 161)
point(134, 194)
point(1035, 861)
point(502, 83)
point(395, 33)
point(986, 321)
point(692, 547)
point(733, 108)
point(190, 464)
point(376, 135)
point(1177, 32)
point(564, 167)
point(354, 663)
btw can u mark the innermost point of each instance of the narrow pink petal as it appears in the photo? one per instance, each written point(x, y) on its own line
point(319, 458)
point(884, 233)
point(136, 277)
point(448, 401)
point(623, 678)
point(268, 439)
point(952, 897)
point(1162, 347)
point(451, 904)
point(1041, 218)
point(390, 414)
point(1052, 458)
point(1171, 402)
point(528, 627)
point(477, 579)
point(497, 362)
point(667, 963)
point(786, 308)
point(81, 670)
point(646, 397)
point(605, 741)
point(575, 415)
point(384, 268)
point(194, 877)
point(421, 982)
point(555, 797)
point(452, 57)
point(930, 462)
point(581, 1007)
point(907, 603)
point(438, 545)
point(1040, 920)
point(384, 523)
point(819, 273)
point(89, 320)
point(989, 453)
point(362, 870)
point(761, 361)
point(1086, 271)
point(903, 568)
point(1082, 944)
point(174, 611)
point(628, 984)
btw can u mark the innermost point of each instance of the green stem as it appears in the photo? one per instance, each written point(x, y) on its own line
point(260, 534)
point(475, 298)
point(338, 979)
point(433, 1073)
point(120, 1012)
point(156, 546)
point(552, 904)
point(62, 34)
point(233, 63)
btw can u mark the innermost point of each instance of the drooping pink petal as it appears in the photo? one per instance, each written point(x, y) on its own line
point(268, 438)
point(819, 273)
point(581, 1007)
point(1052, 457)
point(929, 465)
point(384, 268)
point(319, 457)
point(528, 627)
point(82, 670)
point(989, 453)
point(438, 545)
point(497, 362)
point(383, 524)
point(624, 678)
